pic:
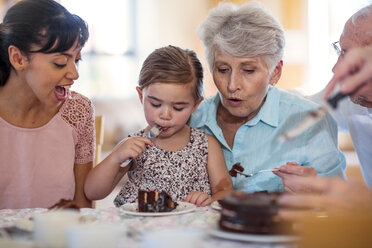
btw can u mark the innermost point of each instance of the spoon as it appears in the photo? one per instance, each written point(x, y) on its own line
point(153, 133)
point(254, 173)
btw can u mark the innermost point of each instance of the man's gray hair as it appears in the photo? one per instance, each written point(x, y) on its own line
point(245, 31)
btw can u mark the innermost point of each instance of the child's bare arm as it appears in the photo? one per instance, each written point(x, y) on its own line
point(102, 179)
point(219, 177)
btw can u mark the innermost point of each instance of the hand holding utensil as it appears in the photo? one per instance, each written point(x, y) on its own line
point(153, 133)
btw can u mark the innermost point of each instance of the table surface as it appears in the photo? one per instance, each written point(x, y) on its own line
point(137, 227)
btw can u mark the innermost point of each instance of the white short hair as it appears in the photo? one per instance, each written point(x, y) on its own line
point(245, 31)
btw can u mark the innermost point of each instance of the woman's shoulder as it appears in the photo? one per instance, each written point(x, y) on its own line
point(77, 101)
point(77, 108)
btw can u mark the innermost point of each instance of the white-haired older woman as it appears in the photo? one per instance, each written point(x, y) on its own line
point(244, 48)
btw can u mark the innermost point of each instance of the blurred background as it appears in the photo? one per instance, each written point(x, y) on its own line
point(124, 32)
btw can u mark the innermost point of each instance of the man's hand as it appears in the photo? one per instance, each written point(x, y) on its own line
point(326, 194)
point(353, 73)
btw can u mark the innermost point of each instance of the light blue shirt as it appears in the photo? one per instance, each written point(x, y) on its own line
point(256, 147)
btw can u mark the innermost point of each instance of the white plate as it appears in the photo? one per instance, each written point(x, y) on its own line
point(182, 208)
point(216, 205)
point(252, 237)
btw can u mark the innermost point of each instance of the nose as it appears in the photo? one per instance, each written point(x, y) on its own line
point(165, 113)
point(338, 60)
point(234, 83)
point(72, 72)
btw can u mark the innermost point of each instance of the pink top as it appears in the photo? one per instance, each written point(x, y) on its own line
point(37, 164)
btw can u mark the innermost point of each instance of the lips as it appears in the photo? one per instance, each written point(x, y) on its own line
point(234, 101)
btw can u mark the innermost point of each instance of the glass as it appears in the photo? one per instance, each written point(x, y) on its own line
point(336, 46)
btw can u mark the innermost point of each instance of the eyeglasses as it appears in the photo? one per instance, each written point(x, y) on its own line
point(336, 46)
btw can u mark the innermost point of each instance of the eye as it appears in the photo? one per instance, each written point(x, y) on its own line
point(60, 66)
point(248, 71)
point(222, 70)
point(155, 105)
point(178, 109)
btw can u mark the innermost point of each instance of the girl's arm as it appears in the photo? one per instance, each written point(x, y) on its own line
point(219, 177)
point(102, 179)
point(81, 171)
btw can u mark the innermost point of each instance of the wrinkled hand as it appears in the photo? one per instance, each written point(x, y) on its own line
point(329, 194)
point(291, 171)
point(198, 198)
point(353, 72)
point(131, 148)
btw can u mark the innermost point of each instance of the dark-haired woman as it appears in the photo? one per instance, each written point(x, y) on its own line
point(46, 130)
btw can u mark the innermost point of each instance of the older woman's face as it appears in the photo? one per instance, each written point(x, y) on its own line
point(242, 83)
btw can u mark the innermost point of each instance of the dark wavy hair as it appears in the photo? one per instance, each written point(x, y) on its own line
point(44, 23)
point(172, 65)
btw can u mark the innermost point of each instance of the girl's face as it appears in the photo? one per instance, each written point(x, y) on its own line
point(46, 74)
point(242, 83)
point(168, 105)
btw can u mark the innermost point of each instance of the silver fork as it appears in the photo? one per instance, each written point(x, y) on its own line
point(153, 133)
point(254, 173)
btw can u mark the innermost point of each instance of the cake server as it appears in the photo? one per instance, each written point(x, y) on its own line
point(312, 117)
point(254, 173)
point(153, 133)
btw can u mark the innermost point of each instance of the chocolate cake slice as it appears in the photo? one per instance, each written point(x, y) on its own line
point(252, 213)
point(236, 167)
point(154, 201)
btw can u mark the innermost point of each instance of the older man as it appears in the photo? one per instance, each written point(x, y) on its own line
point(355, 113)
point(353, 73)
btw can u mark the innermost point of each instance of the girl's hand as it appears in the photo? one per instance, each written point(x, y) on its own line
point(198, 198)
point(131, 148)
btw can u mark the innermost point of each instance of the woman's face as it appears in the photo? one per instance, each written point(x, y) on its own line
point(47, 75)
point(242, 82)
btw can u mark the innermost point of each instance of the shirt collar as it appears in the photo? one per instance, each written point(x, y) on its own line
point(269, 112)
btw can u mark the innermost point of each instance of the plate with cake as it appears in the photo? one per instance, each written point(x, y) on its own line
point(154, 203)
point(253, 217)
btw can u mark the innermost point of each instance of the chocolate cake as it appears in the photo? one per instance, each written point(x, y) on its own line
point(236, 167)
point(252, 213)
point(153, 201)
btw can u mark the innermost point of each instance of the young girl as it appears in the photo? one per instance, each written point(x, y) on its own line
point(46, 138)
point(183, 161)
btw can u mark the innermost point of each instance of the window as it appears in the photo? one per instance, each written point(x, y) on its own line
point(326, 22)
point(109, 65)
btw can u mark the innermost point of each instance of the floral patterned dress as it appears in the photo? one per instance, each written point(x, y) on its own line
point(176, 172)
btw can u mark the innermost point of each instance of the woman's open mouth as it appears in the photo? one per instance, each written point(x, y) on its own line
point(234, 101)
point(61, 92)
